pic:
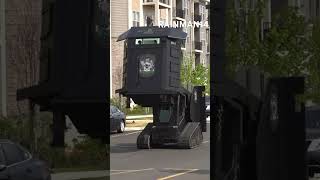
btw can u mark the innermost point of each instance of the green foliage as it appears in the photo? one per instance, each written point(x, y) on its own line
point(120, 104)
point(87, 153)
point(138, 110)
point(194, 76)
point(286, 49)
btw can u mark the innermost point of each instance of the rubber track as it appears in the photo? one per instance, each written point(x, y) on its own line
point(191, 136)
point(143, 140)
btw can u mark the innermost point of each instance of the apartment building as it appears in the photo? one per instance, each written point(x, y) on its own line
point(128, 13)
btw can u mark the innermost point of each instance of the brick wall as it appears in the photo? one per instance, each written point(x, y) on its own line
point(23, 27)
point(117, 63)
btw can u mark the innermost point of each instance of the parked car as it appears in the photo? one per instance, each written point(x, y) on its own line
point(117, 120)
point(17, 163)
point(313, 139)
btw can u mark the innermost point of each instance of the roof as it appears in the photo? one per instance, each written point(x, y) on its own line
point(153, 31)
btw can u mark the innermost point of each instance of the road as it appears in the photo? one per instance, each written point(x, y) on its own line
point(128, 162)
point(79, 175)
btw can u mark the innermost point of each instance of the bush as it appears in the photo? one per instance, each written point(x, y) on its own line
point(87, 153)
point(138, 110)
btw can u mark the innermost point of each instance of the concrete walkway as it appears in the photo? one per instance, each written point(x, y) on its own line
point(79, 175)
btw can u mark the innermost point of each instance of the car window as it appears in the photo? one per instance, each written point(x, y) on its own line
point(13, 153)
point(112, 109)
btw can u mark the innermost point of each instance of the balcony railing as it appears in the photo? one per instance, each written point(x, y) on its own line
point(197, 17)
point(179, 13)
point(165, 2)
point(183, 44)
point(197, 45)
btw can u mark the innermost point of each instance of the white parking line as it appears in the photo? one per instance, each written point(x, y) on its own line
point(178, 174)
point(130, 171)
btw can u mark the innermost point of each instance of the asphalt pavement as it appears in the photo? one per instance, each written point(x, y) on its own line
point(128, 162)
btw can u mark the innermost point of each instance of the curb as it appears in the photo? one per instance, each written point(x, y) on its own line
point(138, 117)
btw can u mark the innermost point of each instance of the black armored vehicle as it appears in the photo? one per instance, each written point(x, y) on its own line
point(151, 78)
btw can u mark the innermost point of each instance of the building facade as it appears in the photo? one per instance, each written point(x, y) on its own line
point(20, 25)
point(129, 13)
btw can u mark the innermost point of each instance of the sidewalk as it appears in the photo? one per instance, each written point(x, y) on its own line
point(79, 175)
point(137, 124)
point(139, 116)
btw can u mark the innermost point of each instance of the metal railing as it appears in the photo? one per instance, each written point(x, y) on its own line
point(179, 13)
point(161, 1)
point(197, 17)
point(165, 2)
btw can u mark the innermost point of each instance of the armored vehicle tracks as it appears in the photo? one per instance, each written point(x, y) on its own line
point(190, 137)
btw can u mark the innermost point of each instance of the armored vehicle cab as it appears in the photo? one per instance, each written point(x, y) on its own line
point(151, 78)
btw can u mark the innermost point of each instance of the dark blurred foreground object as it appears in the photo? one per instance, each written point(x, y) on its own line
point(313, 139)
point(258, 129)
point(16, 163)
point(74, 67)
point(207, 99)
point(151, 78)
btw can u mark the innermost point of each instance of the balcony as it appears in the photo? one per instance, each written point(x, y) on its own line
point(179, 13)
point(167, 2)
point(183, 44)
point(197, 17)
point(163, 4)
point(198, 45)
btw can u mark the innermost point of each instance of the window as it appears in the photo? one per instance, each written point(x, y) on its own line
point(149, 20)
point(142, 41)
point(113, 109)
point(186, 7)
point(163, 21)
point(136, 19)
point(202, 11)
point(202, 35)
point(165, 114)
point(13, 153)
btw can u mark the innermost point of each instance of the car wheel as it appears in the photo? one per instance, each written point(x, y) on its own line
point(122, 127)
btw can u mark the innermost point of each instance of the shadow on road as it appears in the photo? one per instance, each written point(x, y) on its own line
point(124, 148)
point(174, 171)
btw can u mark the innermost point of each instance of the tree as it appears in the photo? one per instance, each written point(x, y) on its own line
point(24, 55)
point(286, 49)
point(197, 75)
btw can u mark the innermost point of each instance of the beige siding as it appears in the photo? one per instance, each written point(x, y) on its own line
point(119, 17)
point(135, 5)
